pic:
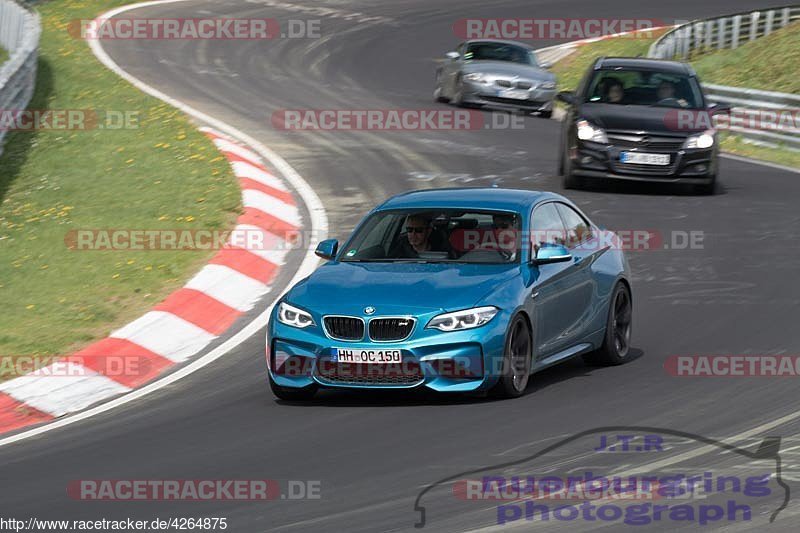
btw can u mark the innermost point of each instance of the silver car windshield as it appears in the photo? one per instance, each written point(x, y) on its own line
point(488, 51)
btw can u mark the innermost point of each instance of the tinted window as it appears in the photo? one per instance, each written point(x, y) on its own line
point(578, 230)
point(644, 87)
point(546, 227)
point(487, 51)
point(439, 235)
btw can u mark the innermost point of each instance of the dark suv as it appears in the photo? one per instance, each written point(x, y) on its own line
point(639, 119)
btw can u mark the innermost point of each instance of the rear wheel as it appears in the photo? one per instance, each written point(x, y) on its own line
point(517, 356)
point(291, 394)
point(617, 341)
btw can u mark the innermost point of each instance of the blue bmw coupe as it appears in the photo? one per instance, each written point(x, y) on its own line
point(456, 290)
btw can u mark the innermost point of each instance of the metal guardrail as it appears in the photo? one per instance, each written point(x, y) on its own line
point(20, 30)
point(750, 106)
point(719, 33)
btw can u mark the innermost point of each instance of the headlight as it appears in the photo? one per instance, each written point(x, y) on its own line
point(292, 316)
point(548, 85)
point(588, 132)
point(466, 319)
point(701, 140)
point(475, 76)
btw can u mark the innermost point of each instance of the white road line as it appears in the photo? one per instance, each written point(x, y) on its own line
point(319, 227)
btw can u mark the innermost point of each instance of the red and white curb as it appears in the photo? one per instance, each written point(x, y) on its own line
point(185, 322)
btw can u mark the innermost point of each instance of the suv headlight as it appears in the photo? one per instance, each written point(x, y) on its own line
point(590, 132)
point(548, 85)
point(292, 316)
point(476, 77)
point(466, 319)
point(700, 140)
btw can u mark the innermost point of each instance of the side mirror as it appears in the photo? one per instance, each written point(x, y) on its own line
point(552, 253)
point(327, 249)
point(568, 97)
point(452, 56)
point(718, 108)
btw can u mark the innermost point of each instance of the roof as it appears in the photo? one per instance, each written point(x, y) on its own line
point(642, 63)
point(467, 198)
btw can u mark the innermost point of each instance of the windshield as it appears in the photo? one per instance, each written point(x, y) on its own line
point(644, 87)
point(436, 236)
point(487, 51)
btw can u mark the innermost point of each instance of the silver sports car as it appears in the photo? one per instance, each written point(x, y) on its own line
point(503, 74)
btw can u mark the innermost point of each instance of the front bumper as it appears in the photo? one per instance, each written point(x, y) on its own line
point(462, 361)
point(595, 160)
point(491, 96)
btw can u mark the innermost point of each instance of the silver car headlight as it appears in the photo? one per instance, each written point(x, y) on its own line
point(548, 85)
point(589, 132)
point(292, 316)
point(477, 77)
point(466, 319)
point(700, 140)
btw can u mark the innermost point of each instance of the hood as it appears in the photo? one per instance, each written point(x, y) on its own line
point(507, 68)
point(398, 288)
point(644, 118)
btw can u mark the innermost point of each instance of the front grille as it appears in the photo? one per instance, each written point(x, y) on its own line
point(658, 144)
point(344, 327)
point(390, 329)
point(407, 373)
point(513, 101)
point(651, 170)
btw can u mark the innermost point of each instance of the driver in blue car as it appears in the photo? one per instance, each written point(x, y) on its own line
point(418, 232)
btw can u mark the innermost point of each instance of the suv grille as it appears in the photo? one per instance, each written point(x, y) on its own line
point(390, 329)
point(344, 327)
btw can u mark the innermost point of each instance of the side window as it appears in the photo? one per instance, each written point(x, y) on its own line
point(546, 227)
point(578, 230)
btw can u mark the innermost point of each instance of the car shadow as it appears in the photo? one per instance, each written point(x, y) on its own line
point(646, 188)
point(333, 398)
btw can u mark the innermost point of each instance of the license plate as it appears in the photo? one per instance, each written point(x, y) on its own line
point(343, 355)
point(517, 94)
point(643, 158)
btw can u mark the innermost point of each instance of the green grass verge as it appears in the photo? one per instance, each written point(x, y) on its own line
point(3, 55)
point(572, 68)
point(164, 174)
point(769, 63)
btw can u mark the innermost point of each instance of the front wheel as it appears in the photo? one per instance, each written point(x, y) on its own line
point(291, 394)
point(438, 91)
point(545, 114)
point(617, 341)
point(517, 356)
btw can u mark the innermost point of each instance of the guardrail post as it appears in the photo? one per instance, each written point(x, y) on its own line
point(785, 16)
point(709, 34)
point(754, 17)
point(768, 22)
point(737, 26)
point(721, 35)
point(699, 30)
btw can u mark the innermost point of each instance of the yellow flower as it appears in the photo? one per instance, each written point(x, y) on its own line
point(115, 276)
point(29, 307)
